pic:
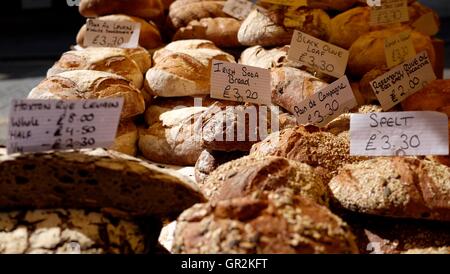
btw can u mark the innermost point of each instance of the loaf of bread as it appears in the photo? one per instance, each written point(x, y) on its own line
point(148, 9)
point(258, 56)
point(126, 138)
point(291, 86)
point(340, 5)
point(93, 179)
point(208, 161)
point(431, 250)
point(183, 72)
point(321, 150)
point(69, 231)
point(433, 97)
point(175, 139)
point(366, 88)
point(367, 52)
point(268, 28)
point(183, 45)
point(101, 59)
point(221, 31)
point(273, 223)
point(182, 12)
point(89, 84)
point(252, 176)
point(395, 187)
point(149, 37)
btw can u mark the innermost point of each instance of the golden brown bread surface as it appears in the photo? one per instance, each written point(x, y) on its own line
point(93, 179)
point(367, 52)
point(208, 161)
point(321, 150)
point(395, 187)
point(182, 12)
point(434, 97)
point(221, 31)
point(126, 138)
point(252, 175)
point(149, 9)
point(273, 223)
point(149, 38)
point(89, 84)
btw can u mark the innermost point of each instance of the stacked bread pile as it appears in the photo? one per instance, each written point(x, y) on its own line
point(297, 190)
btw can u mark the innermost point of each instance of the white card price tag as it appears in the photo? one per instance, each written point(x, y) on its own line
point(112, 34)
point(399, 133)
point(42, 125)
point(236, 82)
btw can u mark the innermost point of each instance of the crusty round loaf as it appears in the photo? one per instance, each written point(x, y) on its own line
point(366, 88)
point(291, 86)
point(274, 223)
point(433, 97)
point(221, 31)
point(93, 179)
point(253, 175)
point(126, 138)
point(208, 161)
point(61, 231)
point(101, 59)
point(89, 84)
point(148, 9)
point(367, 52)
point(149, 37)
point(182, 12)
point(183, 72)
point(321, 150)
point(258, 56)
point(395, 187)
point(175, 139)
point(312, 21)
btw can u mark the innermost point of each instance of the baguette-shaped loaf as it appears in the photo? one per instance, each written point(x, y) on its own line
point(274, 223)
point(148, 9)
point(395, 187)
point(149, 37)
point(93, 179)
point(90, 84)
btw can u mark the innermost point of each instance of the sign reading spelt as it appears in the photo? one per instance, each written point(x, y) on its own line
point(42, 125)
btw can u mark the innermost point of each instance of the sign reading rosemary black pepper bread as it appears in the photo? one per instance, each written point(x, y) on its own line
point(113, 34)
point(399, 133)
point(326, 104)
point(318, 55)
point(236, 82)
point(41, 125)
point(238, 8)
point(399, 48)
point(403, 80)
point(389, 12)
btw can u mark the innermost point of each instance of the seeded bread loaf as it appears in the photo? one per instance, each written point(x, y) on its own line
point(252, 175)
point(321, 150)
point(149, 37)
point(274, 223)
point(395, 187)
point(208, 161)
point(93, 179)
point(68, 231)
point(148, 9)
point(89, 84)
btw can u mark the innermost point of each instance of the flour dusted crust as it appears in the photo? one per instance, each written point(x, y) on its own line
point(100, 59)
point(221, 31)
point(148, 9)
point(251, 175)
point(273, 223)
point(93, 179)
point(89, 84)
point(395, 187)
point(182, 12)
point(69, 231)
point(149, 37)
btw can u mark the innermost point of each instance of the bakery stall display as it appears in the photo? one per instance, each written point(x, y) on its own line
point(262, 181)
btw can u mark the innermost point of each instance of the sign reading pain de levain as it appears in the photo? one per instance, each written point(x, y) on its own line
point(236, 82)
point(42, 125)
point(100, 33)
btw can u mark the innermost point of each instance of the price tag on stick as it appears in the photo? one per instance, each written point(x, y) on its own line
point(42, 125)
point(113, 34)
point(399, 133)
point(400, 82)
point(236, 82)
point(326, 104)
point(318, 55)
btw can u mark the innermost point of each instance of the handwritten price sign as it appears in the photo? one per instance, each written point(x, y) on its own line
point(389, 12)
point(113, 34)
point(41, 125)
point(399, 133)
point(399, 48)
